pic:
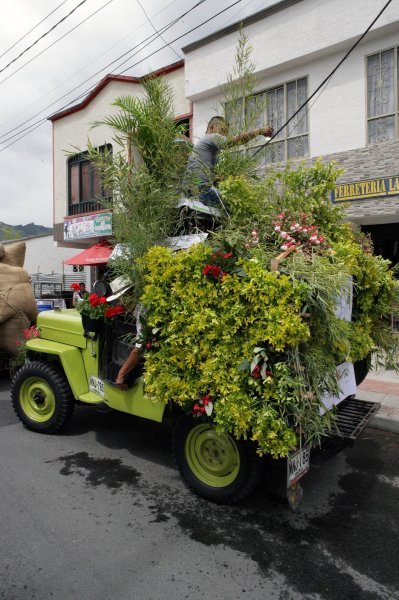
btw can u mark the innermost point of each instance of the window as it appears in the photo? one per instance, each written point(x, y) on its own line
point(382, 105)
point(186, 126)
point(85, 189)
point(274, 107)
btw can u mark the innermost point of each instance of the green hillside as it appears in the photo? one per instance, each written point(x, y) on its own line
point(15, 232)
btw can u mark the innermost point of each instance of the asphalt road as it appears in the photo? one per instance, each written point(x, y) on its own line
point(99, 512)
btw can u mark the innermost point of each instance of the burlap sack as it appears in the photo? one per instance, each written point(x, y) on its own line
point(10, 276)
point(11, 332)
point(15, 299)
point(13, 254)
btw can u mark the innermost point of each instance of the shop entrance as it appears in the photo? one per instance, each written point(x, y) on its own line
point(385, 240)
point(386, 244)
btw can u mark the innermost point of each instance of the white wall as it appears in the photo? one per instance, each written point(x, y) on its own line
point(307, 39)
point(300, 30)
point(42, 256)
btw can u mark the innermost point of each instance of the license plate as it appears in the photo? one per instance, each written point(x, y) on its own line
point(97, 386)
point(297, 465)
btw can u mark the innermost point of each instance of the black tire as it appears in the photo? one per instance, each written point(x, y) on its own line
point(200, 455)
point(41, 397)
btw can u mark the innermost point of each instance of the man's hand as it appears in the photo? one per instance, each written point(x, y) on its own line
point(266, 131)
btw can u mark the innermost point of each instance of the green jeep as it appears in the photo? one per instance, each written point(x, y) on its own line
point(68, 365)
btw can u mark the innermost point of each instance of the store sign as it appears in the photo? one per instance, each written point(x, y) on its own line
point(371, 188)
point(88, 226)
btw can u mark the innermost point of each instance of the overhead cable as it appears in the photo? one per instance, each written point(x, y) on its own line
point(44, 35)
point(32, 29)
point(156, 31)
point(38, 124)
point(146, 43)
point(56, 41)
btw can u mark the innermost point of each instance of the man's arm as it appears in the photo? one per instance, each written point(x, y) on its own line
point(246, 136)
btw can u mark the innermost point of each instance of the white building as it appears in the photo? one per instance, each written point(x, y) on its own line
point(353, 119)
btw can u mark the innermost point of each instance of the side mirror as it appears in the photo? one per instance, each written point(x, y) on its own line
point(100, 288)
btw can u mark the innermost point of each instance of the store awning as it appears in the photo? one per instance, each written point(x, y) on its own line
point(95, 255)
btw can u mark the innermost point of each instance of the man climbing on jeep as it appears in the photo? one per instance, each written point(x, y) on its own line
point(203, 159)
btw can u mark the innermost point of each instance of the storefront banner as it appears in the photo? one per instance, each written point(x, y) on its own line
point(88, 226)
point(370, 188)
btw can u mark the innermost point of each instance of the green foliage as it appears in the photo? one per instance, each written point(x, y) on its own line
point(207, 333)
point(243, 111)
point(143, 172)
point(265, 345)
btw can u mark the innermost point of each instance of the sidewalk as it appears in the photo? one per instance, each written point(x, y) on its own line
point(383, 387)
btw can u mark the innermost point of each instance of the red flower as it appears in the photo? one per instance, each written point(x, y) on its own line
point(256, 372)
point(75, 286)
point(148, 345)
point(213, 270)
point(93, 299)
point(30, 333)
point(227, 255)
point(112, 311)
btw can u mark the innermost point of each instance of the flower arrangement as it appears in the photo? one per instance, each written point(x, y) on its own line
point(220, 264)
point(298, 232)
point(97, 307)
point(17, 361)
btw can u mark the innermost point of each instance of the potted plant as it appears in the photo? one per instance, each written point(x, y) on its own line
point(95, 310)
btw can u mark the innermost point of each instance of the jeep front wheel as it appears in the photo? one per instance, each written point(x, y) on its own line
point(215, 465)
point(41, 397)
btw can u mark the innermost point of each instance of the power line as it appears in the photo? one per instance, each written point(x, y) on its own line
point(325, 81)
point(44, 35)
point(146, 43)
point(38, 124)
point(106, 51)
point(56, 41)
point(154, 28)
point(184, 34)
point(33, 28)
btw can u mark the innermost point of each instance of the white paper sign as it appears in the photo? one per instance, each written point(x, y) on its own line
point(347, 384)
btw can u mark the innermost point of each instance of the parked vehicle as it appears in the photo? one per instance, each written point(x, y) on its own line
point(67, 364)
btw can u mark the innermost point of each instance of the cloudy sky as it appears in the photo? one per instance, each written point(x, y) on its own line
point(43, 71)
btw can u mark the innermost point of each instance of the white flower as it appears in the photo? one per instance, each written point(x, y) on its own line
point(277, 228)
point(284, 247)
point(284, 234)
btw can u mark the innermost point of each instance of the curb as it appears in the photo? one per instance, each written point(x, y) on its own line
point(384, 419)
point(385, 422)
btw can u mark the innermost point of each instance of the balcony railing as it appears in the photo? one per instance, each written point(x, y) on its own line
point(87, 207)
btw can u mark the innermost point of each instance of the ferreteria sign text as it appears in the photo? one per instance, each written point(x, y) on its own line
point(372, 188)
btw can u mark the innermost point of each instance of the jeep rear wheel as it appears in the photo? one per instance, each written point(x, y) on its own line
point(215, 466)
point(41, 397)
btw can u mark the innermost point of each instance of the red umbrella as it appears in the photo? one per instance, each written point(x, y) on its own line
point(95, 255)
